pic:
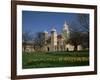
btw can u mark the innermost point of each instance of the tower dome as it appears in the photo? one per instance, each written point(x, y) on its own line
point(45, 32)
point(53, 30)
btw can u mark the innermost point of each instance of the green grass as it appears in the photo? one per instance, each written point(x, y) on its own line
point(54, 59)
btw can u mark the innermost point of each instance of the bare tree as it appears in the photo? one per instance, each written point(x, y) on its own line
point(75, 39)
point(25, 38)
point(39, 41)
point(79, 34)
point(84, 21)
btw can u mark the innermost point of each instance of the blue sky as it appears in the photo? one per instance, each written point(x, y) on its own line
point(34, 22)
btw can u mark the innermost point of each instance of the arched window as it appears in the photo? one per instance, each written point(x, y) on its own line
point(67, 49)
point(48, 48)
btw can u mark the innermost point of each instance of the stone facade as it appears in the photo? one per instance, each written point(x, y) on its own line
point(57, 42)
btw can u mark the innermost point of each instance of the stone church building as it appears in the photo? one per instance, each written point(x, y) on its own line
point(57, 42)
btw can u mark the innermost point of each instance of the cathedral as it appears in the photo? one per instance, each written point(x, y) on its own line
point(57, 42)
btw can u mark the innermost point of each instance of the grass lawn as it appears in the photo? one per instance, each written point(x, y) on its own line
point(54, 59)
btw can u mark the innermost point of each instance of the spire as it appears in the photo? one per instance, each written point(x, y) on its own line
point(65, 24)
point(65, 31)
point(66, 27)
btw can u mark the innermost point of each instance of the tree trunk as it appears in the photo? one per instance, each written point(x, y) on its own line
point(75, 47)
point(24, 48)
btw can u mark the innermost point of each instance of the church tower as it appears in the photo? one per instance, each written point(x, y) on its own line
point(65, 31)
point(53, 40)
point(45, 40)
point(45, 35)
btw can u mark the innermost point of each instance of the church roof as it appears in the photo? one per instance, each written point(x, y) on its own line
point(59, 36)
